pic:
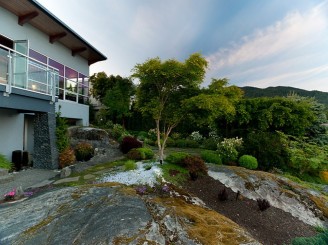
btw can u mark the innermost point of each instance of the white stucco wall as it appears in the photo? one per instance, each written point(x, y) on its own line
point(39, 41)
point(11, 132)
point(73, 110)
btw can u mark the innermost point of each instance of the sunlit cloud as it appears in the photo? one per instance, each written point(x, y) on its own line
point(295, 30)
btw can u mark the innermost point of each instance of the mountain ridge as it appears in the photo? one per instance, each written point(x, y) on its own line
point(253, 92)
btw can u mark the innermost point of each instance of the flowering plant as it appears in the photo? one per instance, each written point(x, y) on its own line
point(213, 135)
point(141, 190)
point(196, 136)
point(10, 195)
point(228, 148)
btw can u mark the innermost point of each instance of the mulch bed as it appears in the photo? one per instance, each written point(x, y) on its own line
point(272, 226)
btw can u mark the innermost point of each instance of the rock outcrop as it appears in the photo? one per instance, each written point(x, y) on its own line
point(112, 213)
point(308, 205)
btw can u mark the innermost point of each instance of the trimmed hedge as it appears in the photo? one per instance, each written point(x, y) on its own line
point(248, 161)
point(211, 157)
point(140, 154)
point(177, 158)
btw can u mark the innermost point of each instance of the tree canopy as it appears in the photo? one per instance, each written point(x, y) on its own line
point(162, 88)
point(114, 92)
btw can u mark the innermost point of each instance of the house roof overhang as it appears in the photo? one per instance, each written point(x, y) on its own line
point(32, 12)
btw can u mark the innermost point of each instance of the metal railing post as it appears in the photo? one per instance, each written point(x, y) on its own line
point(10, 73)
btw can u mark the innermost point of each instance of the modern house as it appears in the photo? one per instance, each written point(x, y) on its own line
point(44, 66)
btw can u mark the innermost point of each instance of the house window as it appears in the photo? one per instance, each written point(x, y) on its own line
point(39, 57)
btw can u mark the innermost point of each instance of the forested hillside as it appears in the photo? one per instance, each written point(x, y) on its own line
point(252, 92)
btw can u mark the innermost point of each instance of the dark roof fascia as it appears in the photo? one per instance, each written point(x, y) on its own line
point(47, 12)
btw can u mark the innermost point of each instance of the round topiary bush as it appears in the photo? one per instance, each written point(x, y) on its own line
point(136, 154)
point(129, 143)
point(248, 161)
point(149, 154)
point(84, 151)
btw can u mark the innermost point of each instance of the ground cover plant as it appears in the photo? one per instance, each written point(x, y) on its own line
point(4, 163)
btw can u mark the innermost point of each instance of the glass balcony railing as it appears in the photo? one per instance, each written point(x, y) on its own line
point(23, 72)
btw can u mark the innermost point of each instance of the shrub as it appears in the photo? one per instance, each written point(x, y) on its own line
point(149, 154)
point(175, 136)
point(268, 148)
point(152, 134)
point(306, 158)
point(211, 156)
point(228, 149)
point(66, 157)
point(192, 143)
point(136, 154)
point(4, 163)
point(62, 139)
point(129, 143)
point(195, 165)
point(186, 143)
point(84, 151)
point(142, 135)
point(263, 204)
point(149, 142)
point(117, 131)
point(130, 165)
point(210, 144)
point(170, 142)
point(319, 239)
point(177, 158)
point(196, 136)
point(248, 162)
point(140, 154)
point(223, 194)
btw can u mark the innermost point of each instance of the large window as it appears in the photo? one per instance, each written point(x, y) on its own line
point(71, 85)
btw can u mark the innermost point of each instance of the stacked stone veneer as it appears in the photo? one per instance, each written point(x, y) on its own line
point(45, 150)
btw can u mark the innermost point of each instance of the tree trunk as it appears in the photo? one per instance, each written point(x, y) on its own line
point(160, 150)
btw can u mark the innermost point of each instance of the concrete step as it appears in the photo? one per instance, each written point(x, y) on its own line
point(6, 178)
point(3, 172)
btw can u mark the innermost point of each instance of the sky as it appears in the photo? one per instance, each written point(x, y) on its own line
point(251, 42)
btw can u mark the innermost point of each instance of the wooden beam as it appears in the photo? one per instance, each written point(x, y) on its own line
point(56, 37)
point(78, 50)
point(27, 17)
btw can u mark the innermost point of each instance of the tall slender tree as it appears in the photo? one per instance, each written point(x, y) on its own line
point(163, 85)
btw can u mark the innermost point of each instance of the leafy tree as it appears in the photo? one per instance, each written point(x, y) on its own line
point(270, 114)
point(218, 100)
point(114, 92)
point(118, 99)
point(101, 83)
point(317, 131)
point(164, 85)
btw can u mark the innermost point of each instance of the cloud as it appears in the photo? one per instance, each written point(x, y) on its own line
point(295, 30)
point(290, 51)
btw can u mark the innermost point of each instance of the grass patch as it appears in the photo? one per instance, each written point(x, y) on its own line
point(130, 165)
point(303, 183)
point(175, 174)
point(4, 163)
